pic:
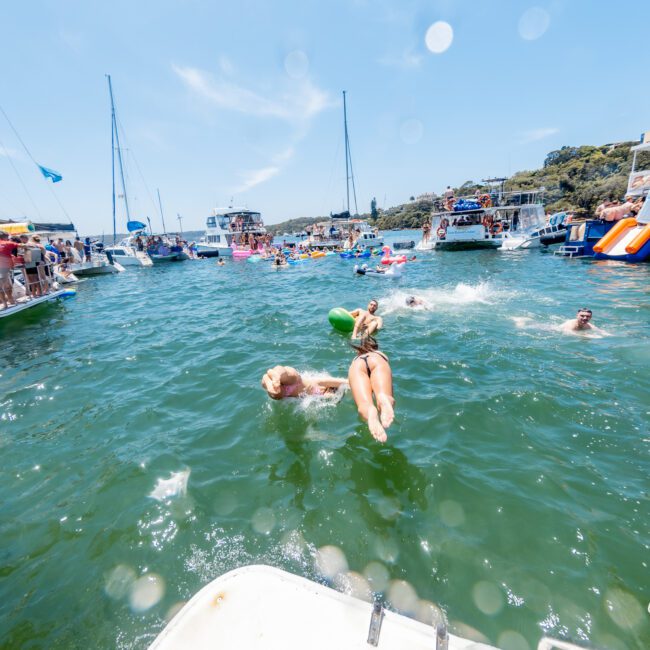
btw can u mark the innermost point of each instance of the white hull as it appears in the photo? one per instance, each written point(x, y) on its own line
point(206, 250)
point(129, 257)
point(260, 607)
point(425, 246)
point(93, 268)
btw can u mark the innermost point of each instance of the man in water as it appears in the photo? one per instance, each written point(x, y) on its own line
point(582, 323)
point(412, 301)
point(366, 322)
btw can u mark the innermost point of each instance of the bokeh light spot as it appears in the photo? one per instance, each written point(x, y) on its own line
point(439, 37)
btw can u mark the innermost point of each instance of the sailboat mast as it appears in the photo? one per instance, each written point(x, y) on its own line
point(162, 216)
point(113, 167)
point(119, 150)
point(349, 173)
point(347, 149)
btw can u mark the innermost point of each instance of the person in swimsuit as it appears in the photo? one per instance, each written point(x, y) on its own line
point(369, 375)
point(366, 323)
point(283, 381)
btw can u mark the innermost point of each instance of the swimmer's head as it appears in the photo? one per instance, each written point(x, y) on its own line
point(584, 315)
point(368, 344)
point(372, 306)
point(410, 301)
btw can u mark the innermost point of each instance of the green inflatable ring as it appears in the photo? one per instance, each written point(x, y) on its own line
point(341, 319)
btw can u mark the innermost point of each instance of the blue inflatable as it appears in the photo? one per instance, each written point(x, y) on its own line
point(462, 204)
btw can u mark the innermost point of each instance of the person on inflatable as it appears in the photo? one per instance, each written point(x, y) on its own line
point(284, 381)
point(366, 322)
point(370, 376)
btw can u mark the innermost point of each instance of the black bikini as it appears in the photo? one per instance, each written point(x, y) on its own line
point(364, 358)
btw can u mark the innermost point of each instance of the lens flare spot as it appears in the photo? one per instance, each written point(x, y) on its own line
point(403, 597)
point(296, 64)
point(353, 584)
point(452, 513)
point(119, 581)
point(377, 576)
point(146, 592)
point(263, 521)
point(329, 561)
point(411, 131)
point(511, 640)
point(488, 598)
point(623, 608)
point(429, 613)
point(439, 37)
point(533, 23)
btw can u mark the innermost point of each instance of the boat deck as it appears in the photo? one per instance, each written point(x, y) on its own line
point(26, 303)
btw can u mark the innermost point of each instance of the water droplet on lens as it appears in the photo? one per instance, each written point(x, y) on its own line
point(146, 591)
point(377, 576)
point(623, 608)
point(533, 23)
point(452, 513)
point(119, 581)
point(429, 613)
point(263, 521)
point(403, 597)
point(173, 610)
point(488, 598)
point(329, 561)
point(296, 64)
point(439, 37)
point(511, 640)
point(353, 584)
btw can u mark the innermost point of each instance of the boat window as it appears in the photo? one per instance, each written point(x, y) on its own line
point(212, 222)
point(224, 222)
point(117, 251)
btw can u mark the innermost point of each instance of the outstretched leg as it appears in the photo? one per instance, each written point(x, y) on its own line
point(381, 381)
point(362, 394)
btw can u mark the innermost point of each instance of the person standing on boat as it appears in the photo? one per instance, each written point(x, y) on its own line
point(426, 230)
point(8, 252)
point(79, 247)
point(366, 322)
point(87, 249)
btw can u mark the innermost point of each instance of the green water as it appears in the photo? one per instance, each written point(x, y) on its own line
point(513, 490)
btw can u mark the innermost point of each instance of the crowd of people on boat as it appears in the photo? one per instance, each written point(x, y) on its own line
point(614, 210)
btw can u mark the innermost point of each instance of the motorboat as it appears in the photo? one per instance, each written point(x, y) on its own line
point(343, 231)
point(581, 237)
point(487, 220)
point(228, 232)
point(264, 608)
point(553, 233)
point(128, 255)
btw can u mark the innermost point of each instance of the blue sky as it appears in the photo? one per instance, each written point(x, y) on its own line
point(243, 99)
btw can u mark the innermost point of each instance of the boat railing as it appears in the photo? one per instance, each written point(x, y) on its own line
point(37, 284)
point(491, 199)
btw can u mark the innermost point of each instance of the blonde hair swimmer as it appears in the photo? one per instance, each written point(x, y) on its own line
point(370, 375)
point(366, 322)
point(284, 381)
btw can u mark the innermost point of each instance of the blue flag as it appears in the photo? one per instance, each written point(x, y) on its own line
point(132, 226)
point(50, 173)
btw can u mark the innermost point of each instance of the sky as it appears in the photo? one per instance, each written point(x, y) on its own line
point(224, 103)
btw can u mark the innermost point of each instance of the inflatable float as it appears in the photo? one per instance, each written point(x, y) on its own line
point(394, 271)
point(627, 241)
point(341, 319)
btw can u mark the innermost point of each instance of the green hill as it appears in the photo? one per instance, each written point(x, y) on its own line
point(574, 178)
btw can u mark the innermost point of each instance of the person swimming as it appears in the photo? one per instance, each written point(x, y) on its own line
point(581, 323)
point(370, 376)
point(221, 262)
point(281, 382)
point(412, 301)
point(366, 322)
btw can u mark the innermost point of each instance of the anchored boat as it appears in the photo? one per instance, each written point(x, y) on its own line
point(228, 232)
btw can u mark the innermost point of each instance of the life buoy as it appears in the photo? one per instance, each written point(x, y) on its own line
point(441, 232)
point(485, 201)
point(497, 228)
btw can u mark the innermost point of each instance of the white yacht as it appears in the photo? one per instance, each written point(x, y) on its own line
point(227, 230)
point(505, 220)
point(126, 252)
point(343, 231)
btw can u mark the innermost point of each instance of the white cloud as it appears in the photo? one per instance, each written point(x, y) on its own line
point(408, 59)
point(537, 134)
point(300, 101)
point(7, 152)
point(256, 177)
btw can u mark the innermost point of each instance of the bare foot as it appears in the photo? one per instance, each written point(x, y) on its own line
point(386, 408)
point(375, 427)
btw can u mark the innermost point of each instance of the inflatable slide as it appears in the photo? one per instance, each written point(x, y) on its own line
point(628, 241)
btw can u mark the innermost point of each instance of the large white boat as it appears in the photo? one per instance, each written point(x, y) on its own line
point(228, 231)
point(127, 254)
point(343, 231)
point(263, 608)
point(497, 219)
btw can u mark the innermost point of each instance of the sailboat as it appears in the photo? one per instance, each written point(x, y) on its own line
point(125, 252)
point(343, 229)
